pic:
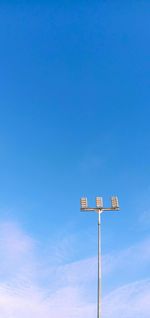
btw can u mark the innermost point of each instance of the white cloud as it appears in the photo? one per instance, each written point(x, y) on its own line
point(128, 259)
point(13, 242)
point(130, 301)
point(65, 302)
point(32, 288)
point(136, 254)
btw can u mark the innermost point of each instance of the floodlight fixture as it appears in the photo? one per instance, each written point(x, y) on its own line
point(99, 202)
point(83, 203)
point(114, 202)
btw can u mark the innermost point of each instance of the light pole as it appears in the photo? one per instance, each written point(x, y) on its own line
point(99, 209)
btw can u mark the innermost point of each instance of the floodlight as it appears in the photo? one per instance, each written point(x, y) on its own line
point(99, 202)
point(83, 203)
point(99, 208)
point(114, 202)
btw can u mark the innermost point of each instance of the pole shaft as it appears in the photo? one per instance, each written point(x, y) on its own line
point(99, 302)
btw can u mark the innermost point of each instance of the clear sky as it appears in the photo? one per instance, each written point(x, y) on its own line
point(74, 121)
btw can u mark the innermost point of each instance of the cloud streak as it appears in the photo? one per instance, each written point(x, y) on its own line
point(32, 288)
point(129, 301)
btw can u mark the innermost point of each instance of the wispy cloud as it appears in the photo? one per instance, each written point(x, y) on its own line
point(66, 302)
point(31, 288)
point(129, 301)
point(138, 253)
point(16, 252)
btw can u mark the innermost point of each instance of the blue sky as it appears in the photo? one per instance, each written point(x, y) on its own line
point(74, 121)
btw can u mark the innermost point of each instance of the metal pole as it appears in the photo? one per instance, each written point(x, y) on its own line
point(99, 209)
point(99, 302)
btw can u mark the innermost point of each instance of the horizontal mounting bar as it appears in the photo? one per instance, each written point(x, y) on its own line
point(99, 209)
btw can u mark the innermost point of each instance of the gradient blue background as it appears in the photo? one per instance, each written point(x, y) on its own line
point(74, 118)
